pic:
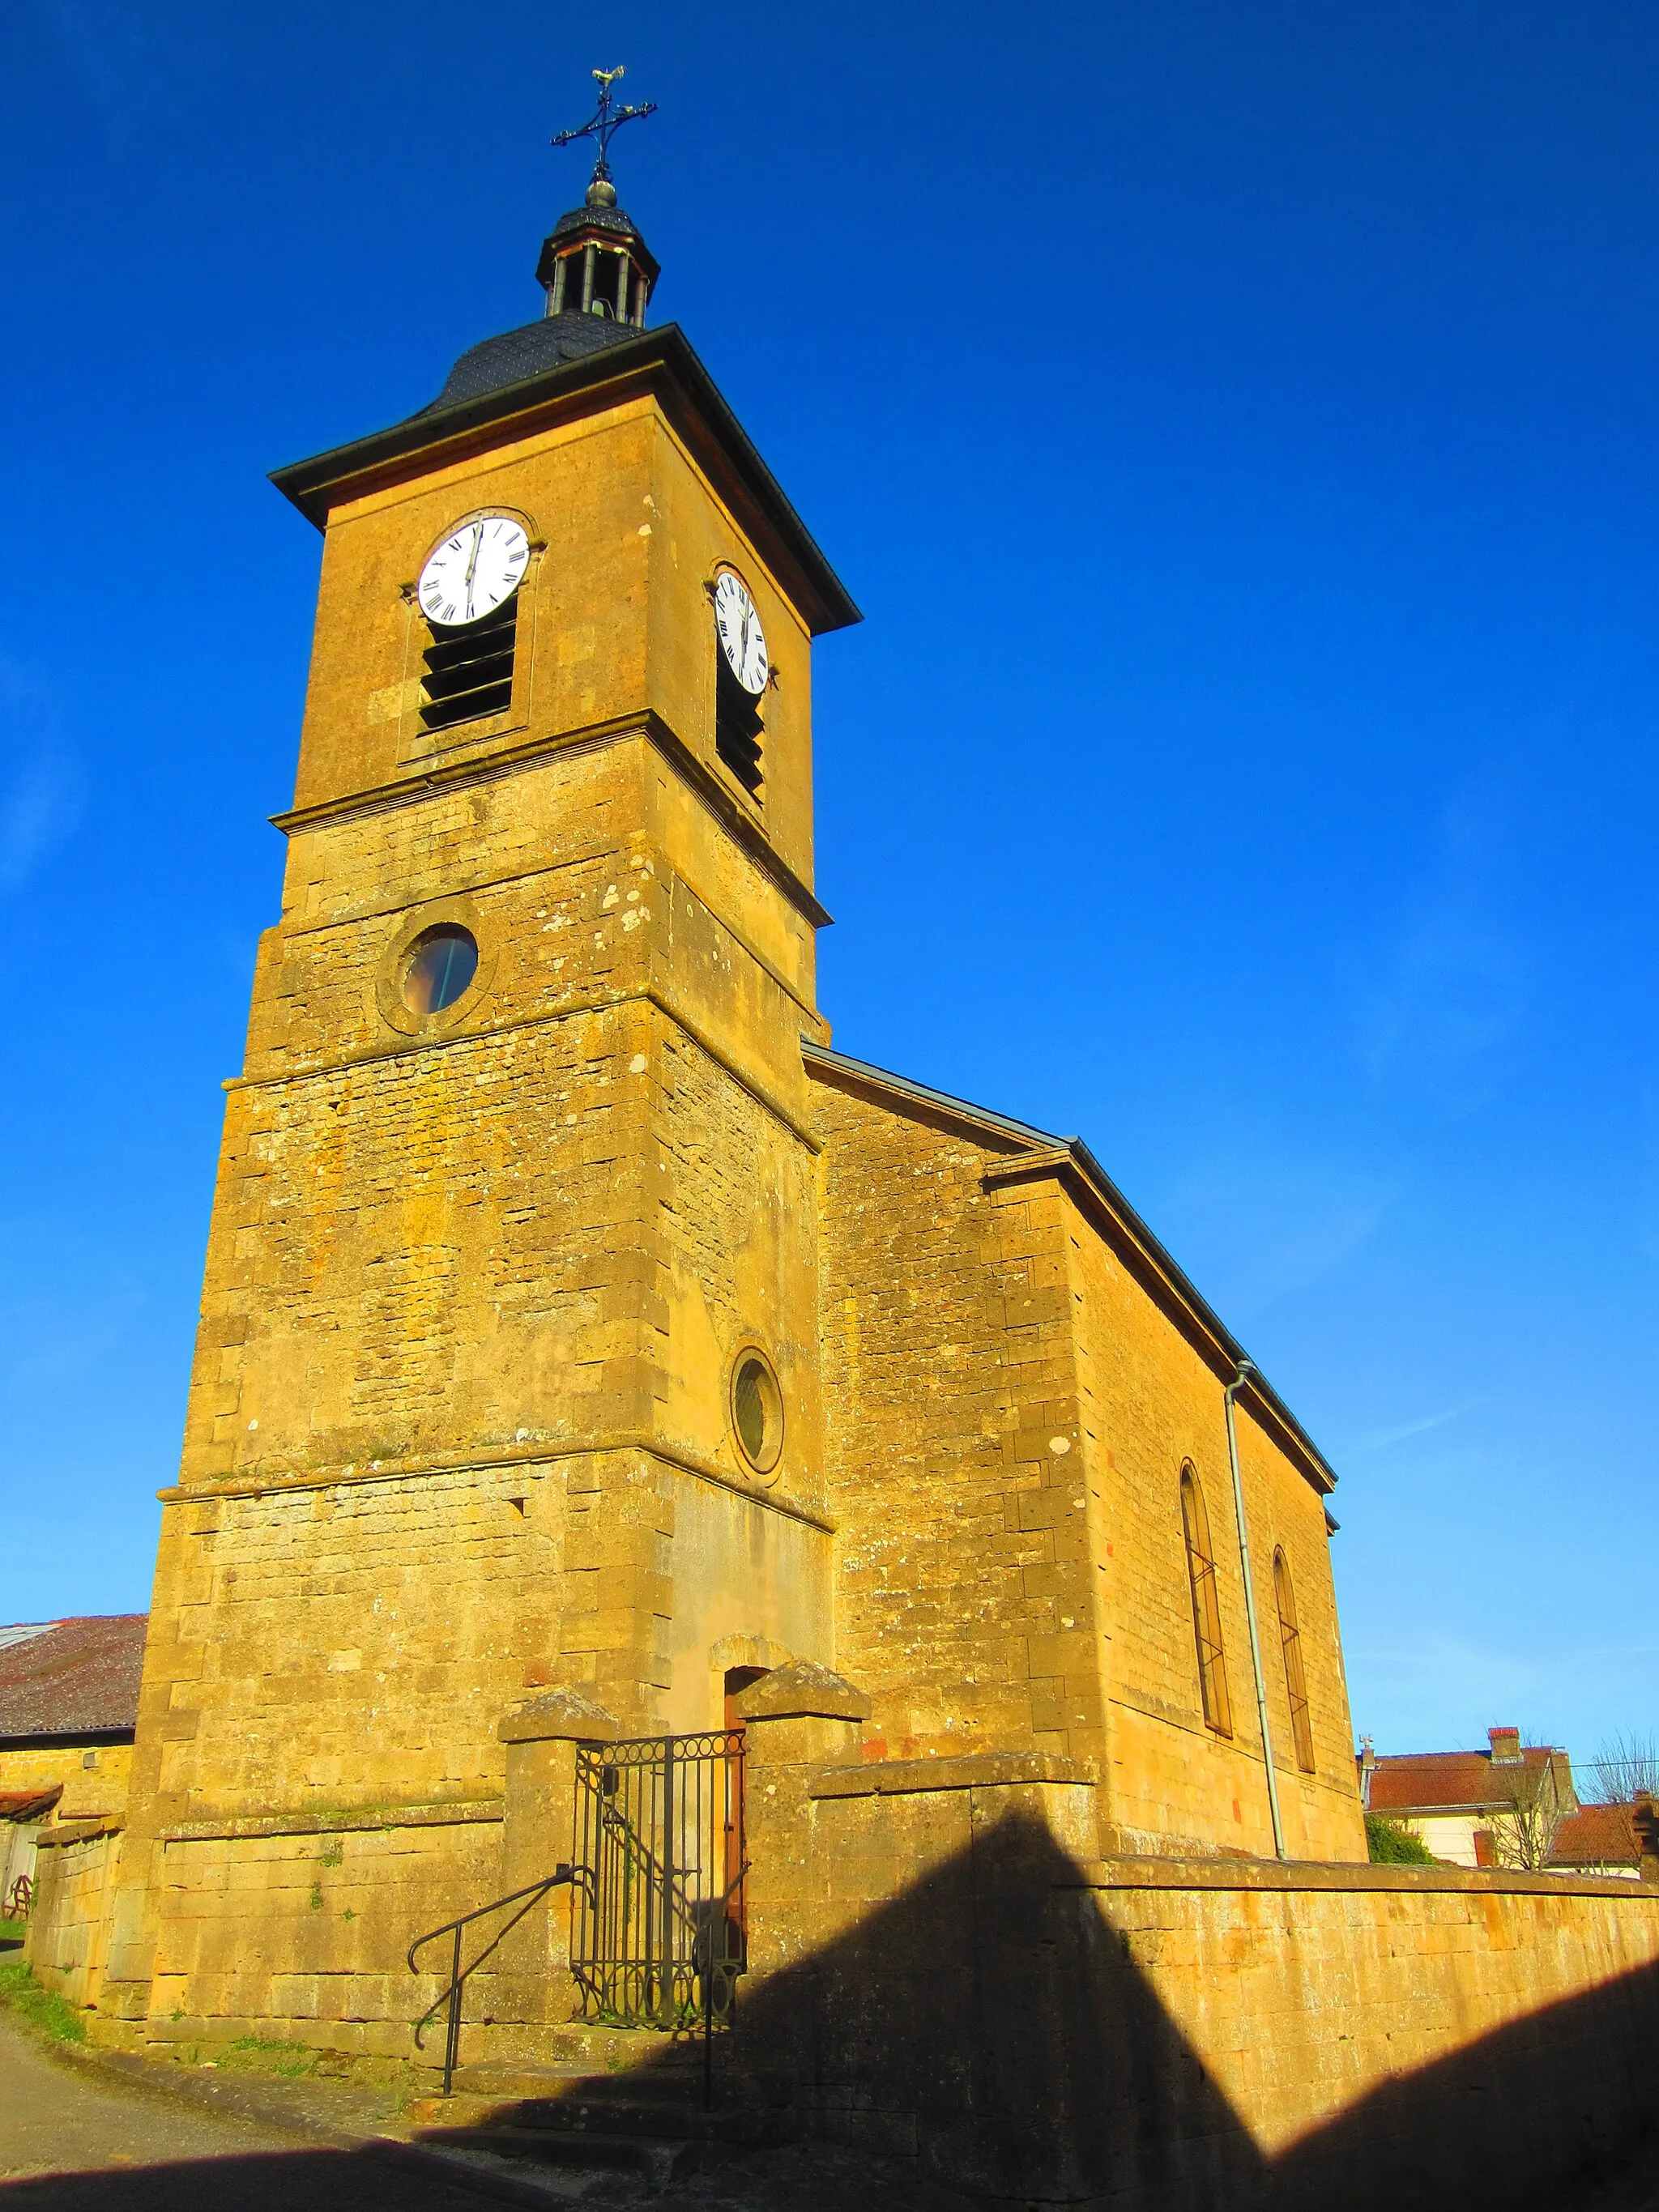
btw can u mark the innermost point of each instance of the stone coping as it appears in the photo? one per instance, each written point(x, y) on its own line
point(983, 1770)
point(458, 1814)
point(1158, 1873)
point(74, 1832)
point(802, 1690)
point(558, 1717)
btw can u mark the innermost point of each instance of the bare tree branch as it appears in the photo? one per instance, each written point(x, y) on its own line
point(1624, 1768)
point(1535, 1794)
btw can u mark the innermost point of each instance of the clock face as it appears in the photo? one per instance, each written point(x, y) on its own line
point(474, 572)
point(742, 639)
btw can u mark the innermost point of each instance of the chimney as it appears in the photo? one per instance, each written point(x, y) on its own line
point(1505, 1746)
point(1367, 1768)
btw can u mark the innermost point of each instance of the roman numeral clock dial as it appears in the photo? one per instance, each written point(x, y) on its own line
point(742, 639)
point(474, 572)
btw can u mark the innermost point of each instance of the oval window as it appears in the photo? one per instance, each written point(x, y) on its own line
point(442, 962)
point(757, 1410)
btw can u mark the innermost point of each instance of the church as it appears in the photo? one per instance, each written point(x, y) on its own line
point(577, 1317)
point(618, 1409)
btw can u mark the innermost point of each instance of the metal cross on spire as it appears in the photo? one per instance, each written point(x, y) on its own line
point(606, 122)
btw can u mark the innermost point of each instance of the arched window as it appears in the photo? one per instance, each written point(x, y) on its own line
point(1290, 1638)
point(1206, 1609)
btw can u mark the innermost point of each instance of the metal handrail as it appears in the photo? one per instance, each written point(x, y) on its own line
point(673, 1883)
point(532, 1895)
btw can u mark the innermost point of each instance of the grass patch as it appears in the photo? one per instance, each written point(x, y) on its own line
point(42, 2009)
point(13, 1931)
point(259, 2054)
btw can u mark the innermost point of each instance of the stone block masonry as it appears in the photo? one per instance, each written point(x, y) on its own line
point(1011, 1399)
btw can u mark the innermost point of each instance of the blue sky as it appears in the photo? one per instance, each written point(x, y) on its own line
point(1238, 426)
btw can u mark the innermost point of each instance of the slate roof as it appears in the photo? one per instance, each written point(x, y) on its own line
point(1443, 1781)
point(1597, 1835)
point(76, 1677)
point(509, 358)
point(600, 216)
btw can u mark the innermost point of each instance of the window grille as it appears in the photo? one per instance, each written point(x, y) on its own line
point(1290, 1638)
point(1207, 1606)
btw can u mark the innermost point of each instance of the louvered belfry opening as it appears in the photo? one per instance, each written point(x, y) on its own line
point(469, 670)
point(738, 727)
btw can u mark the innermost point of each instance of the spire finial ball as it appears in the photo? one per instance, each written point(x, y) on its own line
point(602, 193)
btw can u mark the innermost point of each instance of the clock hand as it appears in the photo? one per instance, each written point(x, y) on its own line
point(472, 565)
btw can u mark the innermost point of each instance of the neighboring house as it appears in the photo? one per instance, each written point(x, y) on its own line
point(1452, 1799)
point(1598, 1839)
point(69, 1707)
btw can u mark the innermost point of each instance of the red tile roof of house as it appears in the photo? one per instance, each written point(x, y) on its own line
point(71, 1677)
point(1442, 1780)
point(1597, 1835)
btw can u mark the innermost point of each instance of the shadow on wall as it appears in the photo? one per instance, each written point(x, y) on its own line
point(991, 2022)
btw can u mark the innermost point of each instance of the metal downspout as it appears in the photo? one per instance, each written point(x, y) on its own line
point(1247, 1368)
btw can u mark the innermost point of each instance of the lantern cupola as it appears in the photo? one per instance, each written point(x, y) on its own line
point(595, 262)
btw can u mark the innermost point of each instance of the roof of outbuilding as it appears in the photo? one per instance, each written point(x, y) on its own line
point(29, 1804)
point(1443, 1781)
point(78, 1677)
point(1597, 1835)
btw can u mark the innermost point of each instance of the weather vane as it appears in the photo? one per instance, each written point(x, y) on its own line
point(607, 120)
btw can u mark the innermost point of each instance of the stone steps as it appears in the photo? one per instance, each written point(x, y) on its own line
point(648, 2116)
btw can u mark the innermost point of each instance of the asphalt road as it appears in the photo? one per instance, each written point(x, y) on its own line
point(71, 2140)
point(74, 2139)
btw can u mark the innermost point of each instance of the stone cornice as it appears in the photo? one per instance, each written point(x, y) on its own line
point(542, 1453)
point(462, 776)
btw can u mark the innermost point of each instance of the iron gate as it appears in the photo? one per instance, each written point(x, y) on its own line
point(658, 1939)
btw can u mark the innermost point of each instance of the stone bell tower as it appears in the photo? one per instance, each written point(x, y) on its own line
point(506, 1377)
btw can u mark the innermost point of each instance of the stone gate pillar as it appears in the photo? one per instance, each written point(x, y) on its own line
point(796, 1719)
point(534, 1984)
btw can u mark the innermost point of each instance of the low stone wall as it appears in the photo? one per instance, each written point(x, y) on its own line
point(298, 1928)
point(1371, 2036)
point(938, 1968)
point(68, 1935)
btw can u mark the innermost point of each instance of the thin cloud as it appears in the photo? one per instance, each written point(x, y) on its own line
point(40, 781)
point(1435, 1692)
point(1444, 1014)
point(1383, 1439)
point(1274, 1226)
point(105, 52)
